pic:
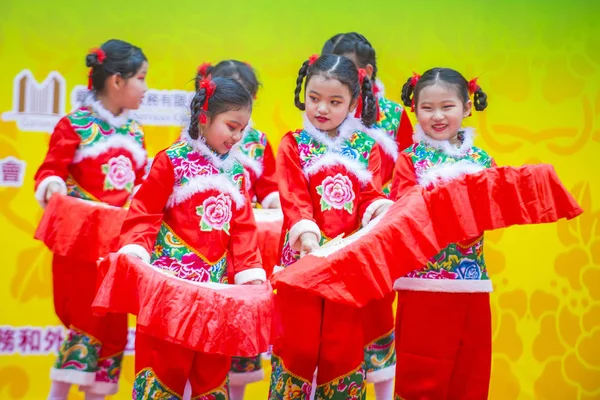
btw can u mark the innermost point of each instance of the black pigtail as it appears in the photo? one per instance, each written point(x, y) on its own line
point(301, 75)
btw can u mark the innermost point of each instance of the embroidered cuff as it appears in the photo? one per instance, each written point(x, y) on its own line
point(40, 192)
point(136, 250)
point(370, 211)
point(300, 227)
point(249, 275)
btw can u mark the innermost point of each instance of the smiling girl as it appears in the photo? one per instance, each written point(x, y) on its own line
point(443, 323)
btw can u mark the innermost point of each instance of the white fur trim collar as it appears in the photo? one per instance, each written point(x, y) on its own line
point(345, 130)
point(446, 172)
point(444, 145)
point(381, 88)
point(203, 183)
point(248, 162)
point(330, 159)
point(114, 141)
point(200, 146)
point(116, 121)
point(387, 144)
point(248, 128)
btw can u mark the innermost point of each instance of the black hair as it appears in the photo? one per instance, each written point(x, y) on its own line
point(332, 66)
point(237, 70)
point(352, 43)
point(121, 58)
point(228, 95)
point(446, 76)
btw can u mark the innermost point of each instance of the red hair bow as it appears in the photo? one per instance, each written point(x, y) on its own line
point(473, 86)
point(312, 59)
point(415, 79)
point(362, 74)
point(203, 69)
point(100, 54)
point(209, 87)
point(413, 82)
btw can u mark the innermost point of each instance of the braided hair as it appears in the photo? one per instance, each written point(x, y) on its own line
point(333, 66)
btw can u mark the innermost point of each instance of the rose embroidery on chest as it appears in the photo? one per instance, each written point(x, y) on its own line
point(215, 213)
point(337, 193)
point(119, 174)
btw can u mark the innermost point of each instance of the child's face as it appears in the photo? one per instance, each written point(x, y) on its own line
point(225, 130)
point(440, 111)
point(328, 103)
point(132, 90)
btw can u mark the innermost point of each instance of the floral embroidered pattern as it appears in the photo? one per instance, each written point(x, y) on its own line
point(390, 113)
point(246, 364)
point(253, 144)
point(347, 387)
point(173, 255)
point(119, 174)
point(357, 147)
point(78, 352)
point(285, 385)
point(147, 386)
point(425, 157)
point(380, 353)
point(457, 261)
point(215, 213)
point(92, 130)
point(336, 192)
point(220, 393)
point(109, 369)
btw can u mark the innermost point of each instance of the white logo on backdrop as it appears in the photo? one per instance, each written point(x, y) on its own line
point(12, 172)
point(37, 107)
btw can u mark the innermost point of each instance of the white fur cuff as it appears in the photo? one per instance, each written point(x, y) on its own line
point(40, 193)
point(249, 275)
point(136, 250)
point(269, 199)
point(72, 376)
point(300, 227)
point(373, 207)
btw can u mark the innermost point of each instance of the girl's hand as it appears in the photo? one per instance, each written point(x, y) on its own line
point(51, 190)
point(308, 243)
point(254, 282)
point(380, 210)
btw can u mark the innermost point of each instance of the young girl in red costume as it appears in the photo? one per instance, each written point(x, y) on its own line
point(96, 153)
point(329, 186)
point(451, 293)
point(193, 218)
point(256, 155)
point(392, 131)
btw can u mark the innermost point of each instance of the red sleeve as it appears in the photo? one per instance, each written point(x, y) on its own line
point(145, 214)
point(61, 150)
point(404, 176)
point(243, 245)
point(267, 183)
point(404, 136)
point(371, 196)
point(296, 202)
